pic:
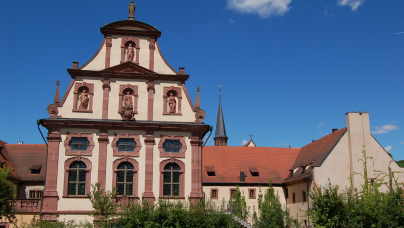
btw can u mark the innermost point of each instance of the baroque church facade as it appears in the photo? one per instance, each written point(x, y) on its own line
point(126, 122)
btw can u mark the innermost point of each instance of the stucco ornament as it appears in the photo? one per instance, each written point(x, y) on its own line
point(130, 55)
point(84, 99)
point(172, 102)
point(127, 110)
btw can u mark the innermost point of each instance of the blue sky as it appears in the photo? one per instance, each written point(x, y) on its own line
point(290, 69)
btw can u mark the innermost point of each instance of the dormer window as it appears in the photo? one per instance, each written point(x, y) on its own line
point(126, 145)
point(172, 146)
point(210, 170)
point(254, 172)
point(79, 143)
point(242, 176)
point(35, 170)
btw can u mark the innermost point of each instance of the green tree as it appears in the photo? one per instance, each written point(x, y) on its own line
point(271, 214)
point(7, 193)
point(238, 205)
point(328, 207)
point(103, 203)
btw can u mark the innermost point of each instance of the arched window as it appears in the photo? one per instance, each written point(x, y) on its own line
point(171, 179)
point(77, 179)
point(124, 179)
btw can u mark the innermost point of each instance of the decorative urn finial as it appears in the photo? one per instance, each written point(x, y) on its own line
point(132, 9)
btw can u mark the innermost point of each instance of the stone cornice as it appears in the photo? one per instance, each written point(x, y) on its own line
point(74, 73)
point(149, 126)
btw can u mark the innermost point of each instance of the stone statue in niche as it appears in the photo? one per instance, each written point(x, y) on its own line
point(127, 109)
point(130, 52)
point(172, 102)
point(84, 99)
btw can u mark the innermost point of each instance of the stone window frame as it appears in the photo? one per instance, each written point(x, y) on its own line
point(180, 154)
point(232, 193)
point(179, 103)
point(252, 193)
point(217, 193)
point(304, 196)
point(182, 178)
point(135, 180)
point(293, 197)
point(134, 88)
point(67, 164)
point(90, 87)
point(90, 148)
point(135, 153)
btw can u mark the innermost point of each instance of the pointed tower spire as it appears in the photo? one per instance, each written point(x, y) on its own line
point(220, 135)
point(132, 9)
point(57, 94)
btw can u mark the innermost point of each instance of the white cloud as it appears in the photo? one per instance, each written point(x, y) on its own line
point(354, 4)
point(389, 148)
point(264, 8)
point(384, 129)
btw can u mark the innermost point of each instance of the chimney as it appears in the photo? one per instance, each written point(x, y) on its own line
point(75, 65)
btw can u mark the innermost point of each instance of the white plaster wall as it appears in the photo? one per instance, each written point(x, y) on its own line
point(144, 54)
point(98, 63)
point(378, 159)
point(67, 110)
point(188, 115)
point(115, 58)
point(113, 106)
point(298, 210)
point(252, 204)
point(335, 168)
point(65, 204)
point(160, 65)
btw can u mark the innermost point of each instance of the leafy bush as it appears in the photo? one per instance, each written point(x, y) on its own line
point(371, 208)
point(7, 193)
point(238, 205)
point(165, 214)
point(271, 214)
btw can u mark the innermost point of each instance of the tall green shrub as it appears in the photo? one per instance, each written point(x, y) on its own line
point(166, 214)
point(271, 214)
point(238, 205)
point(7, 193)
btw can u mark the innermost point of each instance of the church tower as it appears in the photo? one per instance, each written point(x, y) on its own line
point(220, 134)
point(126, 122)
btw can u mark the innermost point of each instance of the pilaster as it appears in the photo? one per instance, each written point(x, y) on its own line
point(102, 159)
point(50, 196)
point(148, 194)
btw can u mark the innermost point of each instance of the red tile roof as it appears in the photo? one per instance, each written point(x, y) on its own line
point(271, 163)
point(23, 157)
point(313, 154)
